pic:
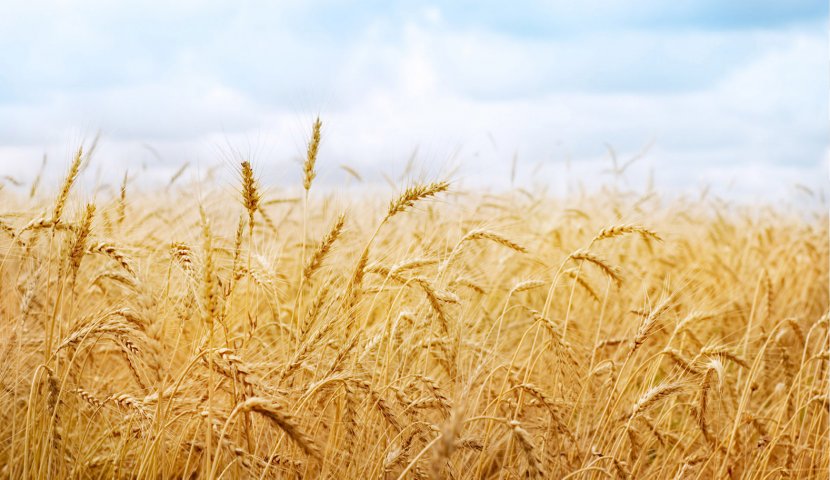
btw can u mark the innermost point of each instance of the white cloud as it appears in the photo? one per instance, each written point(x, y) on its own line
point(744, 104)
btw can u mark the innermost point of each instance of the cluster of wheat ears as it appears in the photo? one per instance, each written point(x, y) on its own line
point(444, 334)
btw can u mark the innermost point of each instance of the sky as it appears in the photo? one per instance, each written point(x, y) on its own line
point(732, 94)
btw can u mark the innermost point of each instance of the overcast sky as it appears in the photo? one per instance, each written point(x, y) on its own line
point(732, 93)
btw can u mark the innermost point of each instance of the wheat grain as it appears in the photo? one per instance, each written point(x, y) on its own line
point(111, 251)
point(655, 395)
point(526, 285)
point(493, 237)
point(250, 193)
point(122, 201)
point(714, 369)
point(78, 248)
point(279, 417)
point(325, 247)
point(611, 272)
point(681, 361)
point(71, 176)
point(413, 194)
point(535, 469)
point(618, 230)
point(649, 324)
point(311, 154)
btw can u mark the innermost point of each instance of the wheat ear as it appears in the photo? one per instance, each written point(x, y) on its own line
point(325, 247)
point(413, 194)
point(250, 193)
point(611, 272)
point(71, 176)
point(618, 230)
point(653, 396)
point(311, 154)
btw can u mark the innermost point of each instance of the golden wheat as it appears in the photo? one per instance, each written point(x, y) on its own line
point(140, 343)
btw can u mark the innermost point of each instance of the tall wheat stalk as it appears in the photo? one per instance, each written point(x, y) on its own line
point(485, 335)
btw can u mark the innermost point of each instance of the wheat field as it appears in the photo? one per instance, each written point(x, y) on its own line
point(201, 330)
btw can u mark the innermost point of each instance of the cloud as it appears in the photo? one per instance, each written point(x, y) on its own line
point(717, 88)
